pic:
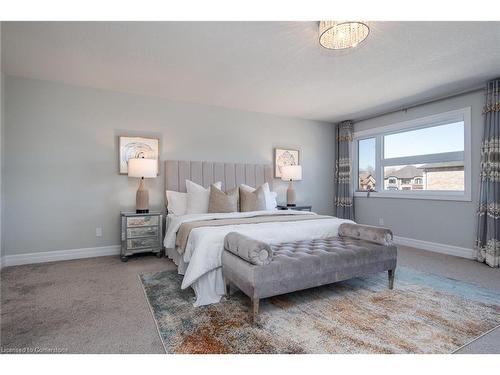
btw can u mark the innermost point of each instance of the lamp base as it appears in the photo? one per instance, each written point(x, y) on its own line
point(290, 195)
point(291, 205)
point(142, 199)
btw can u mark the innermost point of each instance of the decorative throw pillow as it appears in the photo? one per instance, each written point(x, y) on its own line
point(176, 202)
point(252, 200)
point(198, 197)
point(223, 202)
point(271, 202)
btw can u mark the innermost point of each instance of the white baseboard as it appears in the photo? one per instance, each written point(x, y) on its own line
point(53, 256)
point(458, 251)
point(91, 252)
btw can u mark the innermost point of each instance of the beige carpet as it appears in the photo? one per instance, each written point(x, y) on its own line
point(82, 306)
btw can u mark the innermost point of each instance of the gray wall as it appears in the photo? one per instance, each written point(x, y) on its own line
point(445, 222)
point(1, 157)
point(61, 176)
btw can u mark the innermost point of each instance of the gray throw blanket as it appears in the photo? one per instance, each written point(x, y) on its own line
point(186, 228)
point(249, 249)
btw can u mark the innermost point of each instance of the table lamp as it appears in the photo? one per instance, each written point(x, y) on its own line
point(291, 173)
point(142, 168)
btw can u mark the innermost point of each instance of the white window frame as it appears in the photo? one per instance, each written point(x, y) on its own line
point(463, 114)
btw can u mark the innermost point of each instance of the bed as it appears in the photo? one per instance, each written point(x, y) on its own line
point(199, 256)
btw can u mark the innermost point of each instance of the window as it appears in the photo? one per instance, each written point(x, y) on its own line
point(366, 157)
point(425, 158)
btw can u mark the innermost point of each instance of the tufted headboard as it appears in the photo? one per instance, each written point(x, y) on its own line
point(205, 173)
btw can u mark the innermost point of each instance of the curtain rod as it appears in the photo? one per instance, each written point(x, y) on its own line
point(419, 104)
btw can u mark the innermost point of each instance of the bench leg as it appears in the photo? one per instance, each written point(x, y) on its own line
point(255, 309)
point(391, 278)
point(227, 288)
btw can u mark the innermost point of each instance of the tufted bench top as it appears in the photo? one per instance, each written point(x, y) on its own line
point(322, 247)
point(317, 262)
point(310, 263)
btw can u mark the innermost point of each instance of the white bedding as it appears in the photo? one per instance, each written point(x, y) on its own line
point(201, 261)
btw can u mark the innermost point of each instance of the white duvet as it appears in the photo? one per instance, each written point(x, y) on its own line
point(205, 245)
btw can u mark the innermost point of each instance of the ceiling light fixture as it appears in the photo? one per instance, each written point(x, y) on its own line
point(342, 34)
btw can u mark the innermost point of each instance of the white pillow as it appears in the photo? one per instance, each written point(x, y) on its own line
point(198, 197)
point(176, 202)
point(270, 196)
point(273, 201)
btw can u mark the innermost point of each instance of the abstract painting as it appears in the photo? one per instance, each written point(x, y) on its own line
point(284, 157)
point(137, 147)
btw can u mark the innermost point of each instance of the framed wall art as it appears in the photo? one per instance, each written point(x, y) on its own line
point(137, 147)
point(284, 157)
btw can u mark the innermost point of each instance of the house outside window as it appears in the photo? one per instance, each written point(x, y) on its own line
point(426, 158)
point(403, 178)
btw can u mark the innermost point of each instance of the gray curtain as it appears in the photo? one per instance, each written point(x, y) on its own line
point(488, 215)
point(344, 203)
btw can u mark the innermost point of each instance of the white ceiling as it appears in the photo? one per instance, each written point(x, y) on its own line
point(270, 67)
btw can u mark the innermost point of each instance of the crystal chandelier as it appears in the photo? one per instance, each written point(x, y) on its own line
point(342, 34)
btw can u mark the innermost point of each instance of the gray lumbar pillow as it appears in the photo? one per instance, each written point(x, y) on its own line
point(223, 202)
point(252, 200)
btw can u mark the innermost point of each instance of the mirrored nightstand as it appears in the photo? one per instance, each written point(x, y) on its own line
point(141, 233)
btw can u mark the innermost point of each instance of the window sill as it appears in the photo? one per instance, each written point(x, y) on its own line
point(443, 196)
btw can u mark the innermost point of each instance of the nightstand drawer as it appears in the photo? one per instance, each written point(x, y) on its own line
point(142, 232)
point(142, 221)
point(138, 243)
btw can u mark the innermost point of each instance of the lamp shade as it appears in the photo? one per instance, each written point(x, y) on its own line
point(291, 173)
point(147, 168)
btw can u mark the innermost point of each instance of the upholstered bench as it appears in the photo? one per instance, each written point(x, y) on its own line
point(261, 270)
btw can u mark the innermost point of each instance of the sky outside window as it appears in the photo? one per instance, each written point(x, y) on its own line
point(433, 140)
point(366, 158)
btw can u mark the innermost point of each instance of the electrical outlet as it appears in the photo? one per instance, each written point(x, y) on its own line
point(98, 232)
point(380, 221)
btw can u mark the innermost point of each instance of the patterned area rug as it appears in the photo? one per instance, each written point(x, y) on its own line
point(423, 314)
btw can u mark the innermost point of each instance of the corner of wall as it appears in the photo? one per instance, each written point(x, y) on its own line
point(334, 145)
point(1, 145)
